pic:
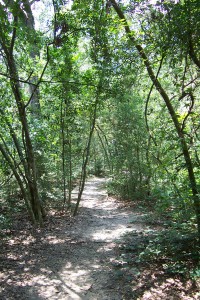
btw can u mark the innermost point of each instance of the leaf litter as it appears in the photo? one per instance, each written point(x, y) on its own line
point(95, 255)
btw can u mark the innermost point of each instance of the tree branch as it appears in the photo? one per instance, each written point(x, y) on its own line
point(16, 79)
point(40, 79)
point(189, 110)
point(13, 34)
point(147, 102)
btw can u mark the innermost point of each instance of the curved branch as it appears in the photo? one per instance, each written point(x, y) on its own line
point(171, 111)
point(147, 102)
point(189, 110)
point(193, 54)
point(39, 81)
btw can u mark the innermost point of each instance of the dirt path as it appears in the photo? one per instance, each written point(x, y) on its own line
point(68, 260)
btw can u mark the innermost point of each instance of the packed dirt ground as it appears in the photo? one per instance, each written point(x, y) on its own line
point(91, 256)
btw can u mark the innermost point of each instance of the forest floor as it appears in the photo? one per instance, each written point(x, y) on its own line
point(93, 256)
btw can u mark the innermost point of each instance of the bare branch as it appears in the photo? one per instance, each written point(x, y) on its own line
point(16, 79)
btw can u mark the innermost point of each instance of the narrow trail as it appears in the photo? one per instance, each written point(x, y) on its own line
point(70, 261)
point(100, 226)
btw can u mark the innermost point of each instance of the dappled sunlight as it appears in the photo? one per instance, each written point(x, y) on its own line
point(77, 280)
point(69, 260)
point(53, 240)
point(162, 288)
point(110, 234)
point(87, 257)
point(106, 248)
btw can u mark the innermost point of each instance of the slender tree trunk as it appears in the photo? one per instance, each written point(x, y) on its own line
point(62, 124)
point(31, 166)
point(87, 152)
point(105, 151)
point(29, 22)
point(69, 173)
point(149, 175)
point(107, 144)
point(177, 125)
point(19, 181)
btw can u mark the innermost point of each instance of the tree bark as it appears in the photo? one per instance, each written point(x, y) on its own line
point(30, 159)
point(165, 97)
point(19, 181)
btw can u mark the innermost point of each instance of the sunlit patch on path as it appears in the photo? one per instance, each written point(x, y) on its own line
point(69, 260)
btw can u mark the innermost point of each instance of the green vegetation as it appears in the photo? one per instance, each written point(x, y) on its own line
point(109, 88)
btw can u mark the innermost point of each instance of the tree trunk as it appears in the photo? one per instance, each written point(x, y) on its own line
point(69, 181)
point(30, 159)
point(87, 151)
point(104, 149)
point(177, 125)
point(19, 181)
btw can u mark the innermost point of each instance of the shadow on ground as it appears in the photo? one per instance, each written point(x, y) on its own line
point(68, 259)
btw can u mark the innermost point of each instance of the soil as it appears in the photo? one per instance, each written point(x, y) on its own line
point(82, 257)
